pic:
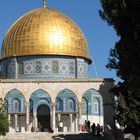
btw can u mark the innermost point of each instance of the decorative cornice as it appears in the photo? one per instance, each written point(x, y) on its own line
point(69, 80)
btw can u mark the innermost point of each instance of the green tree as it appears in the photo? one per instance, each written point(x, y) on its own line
point(124, 16)
point(4, 125)
point(0, 74)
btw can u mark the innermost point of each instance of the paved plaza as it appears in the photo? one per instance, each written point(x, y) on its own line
point(54, 136)
point(80, 136)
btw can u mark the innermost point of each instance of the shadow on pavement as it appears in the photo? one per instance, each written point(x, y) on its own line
point(80, 136)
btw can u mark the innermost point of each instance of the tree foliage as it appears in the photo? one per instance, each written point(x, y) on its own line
point(124, 16)
point(0, 74)
point(4, 125)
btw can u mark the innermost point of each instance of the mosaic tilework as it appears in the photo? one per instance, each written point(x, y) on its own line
point(59, 104)
point(38, 67)
point(71, 67)
point(39, 97)
point(11, 96)
point(64, 67)
point(81, 68)
point(68, 97)
point(90, 96)
point(28, 68)
point(55, 67)
point(11, 68)
point(45, 67)
point(21, 68)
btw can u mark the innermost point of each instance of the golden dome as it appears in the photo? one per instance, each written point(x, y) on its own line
point(44, 31)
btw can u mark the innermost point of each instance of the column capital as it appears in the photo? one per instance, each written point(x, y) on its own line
point(79, 107)
point(27, 104)
point(79, 104)
point(53, 104)
point(15, 115)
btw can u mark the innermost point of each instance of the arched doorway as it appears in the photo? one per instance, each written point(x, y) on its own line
point(43, 115)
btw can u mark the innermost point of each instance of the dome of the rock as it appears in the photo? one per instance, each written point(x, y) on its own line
point(44, 31)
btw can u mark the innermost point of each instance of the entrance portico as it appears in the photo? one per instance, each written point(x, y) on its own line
point(24, 108)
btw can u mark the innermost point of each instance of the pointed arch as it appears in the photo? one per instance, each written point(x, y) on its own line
point(91, 90)
point(16, 101)
point(14, 91)
point(69, 99)
point(95, 102)
point(67, 91)
point(38, 98)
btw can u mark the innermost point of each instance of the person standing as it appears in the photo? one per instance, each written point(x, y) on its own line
point(93, 128)
point(60, 128)
point(88, 126)
point(98, 129)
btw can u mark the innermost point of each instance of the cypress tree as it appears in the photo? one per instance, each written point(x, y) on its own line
point(124, 16)
point(4, 125)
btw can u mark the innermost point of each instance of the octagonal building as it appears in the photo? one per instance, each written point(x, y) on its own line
point(44, 67)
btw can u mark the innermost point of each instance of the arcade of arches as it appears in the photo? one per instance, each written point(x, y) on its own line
point(43, 111)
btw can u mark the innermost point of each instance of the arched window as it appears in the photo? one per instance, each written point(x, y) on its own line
point(16, 105)
point(70, 105)
point(84, 106)
point(96, 106)
point(59, 104)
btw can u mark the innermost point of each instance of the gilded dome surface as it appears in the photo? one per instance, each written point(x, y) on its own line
point(44, 31)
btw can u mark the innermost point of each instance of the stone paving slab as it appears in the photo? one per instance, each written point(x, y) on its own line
point(49, 136)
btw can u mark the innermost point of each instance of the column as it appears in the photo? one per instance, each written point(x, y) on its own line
point(35, 121)
point(79, 114)
point(59, 119)
point(9, 120)
point(27, 117)
point(70, 122)
point(16, 122)
point(76, 123)
point(53, 116)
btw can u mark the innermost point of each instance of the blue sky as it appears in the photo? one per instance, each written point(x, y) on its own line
point(100, 36)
